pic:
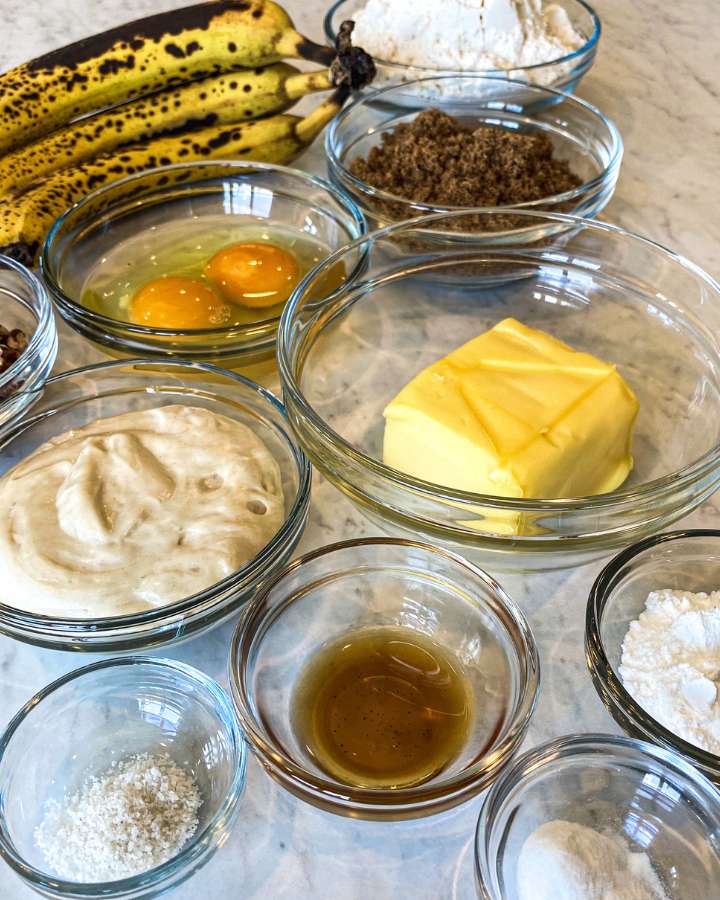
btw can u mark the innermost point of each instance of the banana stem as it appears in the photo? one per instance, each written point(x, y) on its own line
point(309, 128)
point(297, 86)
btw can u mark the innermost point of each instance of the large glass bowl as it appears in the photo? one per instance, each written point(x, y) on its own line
point(679, 560)
point(378, 582)
point(653, 800)
point(581, 135)
point(416, 294)
point(563, 74)
point(77, 398)
point(24, 304)
point(243, 193)
point(81, 724)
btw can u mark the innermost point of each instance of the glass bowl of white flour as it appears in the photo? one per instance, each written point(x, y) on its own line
point(599, 816)
point(653, 643)
point(544, 43)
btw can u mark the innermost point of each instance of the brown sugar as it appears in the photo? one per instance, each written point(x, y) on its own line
point(438, 161)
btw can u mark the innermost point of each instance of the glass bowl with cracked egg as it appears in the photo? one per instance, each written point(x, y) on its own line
point(580, 135)
point(97, 717)
point(679, 561)
point(414, 297)
point(25, 305)
point(418, 592)
point(654, 813)
point(194, 260)
point(563, 73)
point(138, 540)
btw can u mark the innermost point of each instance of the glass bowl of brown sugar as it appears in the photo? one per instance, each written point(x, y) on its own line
point(473, 141)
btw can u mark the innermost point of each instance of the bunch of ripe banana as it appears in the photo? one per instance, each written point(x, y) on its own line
point(204, 82)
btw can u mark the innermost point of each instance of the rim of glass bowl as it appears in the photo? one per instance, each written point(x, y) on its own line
point(254, 568)
point(366, 190)
point(248, 331)
point(589, 45)
point(671, 482)
point(198, 845)
point(43, 342)
point(610, 688)
point(567, 746)
point(418, 799)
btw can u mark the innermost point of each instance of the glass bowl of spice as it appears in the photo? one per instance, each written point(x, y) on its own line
point(652, 643)
point(601, 816)
point(546, 43)
point(481, 366)
point(383, 679)
point(145, 502)
point(476, 142)
point(142, 784)
point(28, 338)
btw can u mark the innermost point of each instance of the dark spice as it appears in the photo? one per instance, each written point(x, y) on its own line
point(12, 344)
point(439, 161)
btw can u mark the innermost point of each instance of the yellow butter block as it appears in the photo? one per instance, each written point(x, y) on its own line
point(514, 413)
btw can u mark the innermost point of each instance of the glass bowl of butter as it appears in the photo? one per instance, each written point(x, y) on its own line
point(145, 503)
point(532, 403)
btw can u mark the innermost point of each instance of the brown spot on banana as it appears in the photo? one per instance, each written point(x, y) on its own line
point(222, 99)
point(25, 220)
point(145, 56)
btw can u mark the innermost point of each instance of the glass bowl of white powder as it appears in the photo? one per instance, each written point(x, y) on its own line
point(590, 816)
point(152, 531)
point(552, 43)
point(653, 643)
point(120, 779)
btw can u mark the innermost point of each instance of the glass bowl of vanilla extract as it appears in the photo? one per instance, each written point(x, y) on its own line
point(383, 678)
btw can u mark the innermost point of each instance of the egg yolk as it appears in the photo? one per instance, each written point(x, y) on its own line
point(254, 274)
point(177, 303)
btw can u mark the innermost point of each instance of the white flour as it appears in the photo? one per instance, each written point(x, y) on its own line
point(465, 35)
point(671, 664)
point(566, 861)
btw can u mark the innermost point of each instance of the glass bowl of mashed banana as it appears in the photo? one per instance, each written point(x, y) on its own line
point(195, 261)
point(145, 502)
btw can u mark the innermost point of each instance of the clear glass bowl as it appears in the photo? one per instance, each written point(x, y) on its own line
point(76, 398)
point(415, 295)
point(563, 74)
point(247, 192)
point(680, 560)
point(580, 134)
point(376, 582)
point(25, 304)
point(652, 799)
point(82, 723)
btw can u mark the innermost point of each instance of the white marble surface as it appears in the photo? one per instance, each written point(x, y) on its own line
point(654, 77)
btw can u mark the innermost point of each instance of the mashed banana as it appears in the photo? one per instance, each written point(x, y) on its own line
point(134, 512)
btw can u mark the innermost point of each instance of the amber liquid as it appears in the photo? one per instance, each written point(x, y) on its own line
point(383, 707)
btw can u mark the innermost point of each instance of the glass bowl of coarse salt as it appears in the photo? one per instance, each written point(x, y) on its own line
point(602, 816)
point(551, 44)
point(652, 640)
point(120, 779)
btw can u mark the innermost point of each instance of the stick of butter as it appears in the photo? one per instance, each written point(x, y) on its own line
point(514, 413)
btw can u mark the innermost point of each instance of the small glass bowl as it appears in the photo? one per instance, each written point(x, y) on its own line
point(653, 800)
point(24, 304)
point(580, 134)
point(81, 724)
point(377, 582)
point(414, 296)
point(248, 192)
point(679, 560)
point(77, 398)
point(563, 74)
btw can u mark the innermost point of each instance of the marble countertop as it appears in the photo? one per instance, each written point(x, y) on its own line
point(653, 77)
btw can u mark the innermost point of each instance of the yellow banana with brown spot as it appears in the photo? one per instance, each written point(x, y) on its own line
point(25, 220)
point(221, 99)
point(144, 56)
